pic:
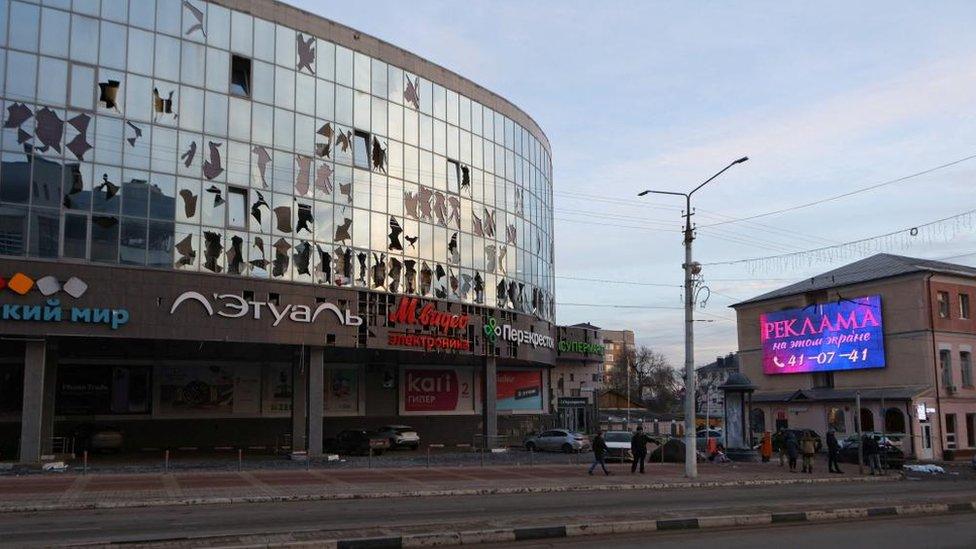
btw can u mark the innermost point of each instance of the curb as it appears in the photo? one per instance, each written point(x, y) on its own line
point(79, 506)
point(535, 533)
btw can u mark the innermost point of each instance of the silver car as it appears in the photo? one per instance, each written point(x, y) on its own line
point(558, 440)
point(400, 436)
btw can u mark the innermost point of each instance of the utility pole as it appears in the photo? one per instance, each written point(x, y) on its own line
point(691, 270)
point(860, 436)
point(627, 371)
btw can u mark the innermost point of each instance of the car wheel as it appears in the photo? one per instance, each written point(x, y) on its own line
point(530, 446)
point(568, 448)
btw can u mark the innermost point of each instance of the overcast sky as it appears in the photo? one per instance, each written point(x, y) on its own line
point(823, 97)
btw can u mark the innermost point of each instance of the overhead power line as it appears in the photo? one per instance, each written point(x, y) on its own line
point(844, 195)
point(608, 281)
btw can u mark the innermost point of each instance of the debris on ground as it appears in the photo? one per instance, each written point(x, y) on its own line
point(927, 468)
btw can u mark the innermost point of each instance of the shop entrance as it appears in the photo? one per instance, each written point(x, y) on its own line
point(926, 452)
point(574, 413)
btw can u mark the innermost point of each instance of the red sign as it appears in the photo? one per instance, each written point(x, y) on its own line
point(433, 390)
point(428, 316)
point(519, 384)
point(428, 342)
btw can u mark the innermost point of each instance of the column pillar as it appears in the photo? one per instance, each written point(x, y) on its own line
point(489, 399)
point(299, 402)
point(37, 415)
point(316, 400)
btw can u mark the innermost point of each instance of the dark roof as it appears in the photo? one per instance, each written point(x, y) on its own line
point(586, 325)
point(728, 362)
point(825, 394)
point(872, 268)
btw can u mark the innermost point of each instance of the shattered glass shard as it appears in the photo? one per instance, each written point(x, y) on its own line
point(280, 265)
point(218, 195)
point(465, 288)
point(108, 94)
point(410, 204)
point(323, 178)
point(440, 208)
point(510, 235)
point(137, 133)
point(324, 149)
point(342, 233)
point(324, 268)
point(212, 167)
point(264, 157)
point(17, 114)
point(454, 212)
point(283, 217)
point(489, 224)
point(211, 251)
point(440, 282)
point(465, 178)
point(394, 235)
point(262, 262)
point(197, 14)
point(412, 240)
point(379, 155)
point(304, 174)
point(454, 254)
point(379, 271)
point(256, 207)
point(344, 140)
point(162, 106)
point(303, 258)
point(189, 203)
point(424, 204)
point(345, 189)
point(361, 258)
point(23, 137)
point(410, 276)
point(306, 53)
point(396, 268)
point(187, 254)
point(235, 255)
point(305, 219)
point(426, 279)
point(110, 189)
point(79, 144)
point(190, 153)
point(412, 92)
point(50, 128)
point(502, 254)
point(476, 225)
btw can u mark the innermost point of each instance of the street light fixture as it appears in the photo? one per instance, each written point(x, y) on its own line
point(691, 268)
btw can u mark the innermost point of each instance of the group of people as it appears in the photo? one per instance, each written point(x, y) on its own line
point(638, 447)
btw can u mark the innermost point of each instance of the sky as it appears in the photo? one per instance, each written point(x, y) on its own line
point(825, 98)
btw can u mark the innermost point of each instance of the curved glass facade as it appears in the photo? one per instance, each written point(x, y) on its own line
point(179, 134)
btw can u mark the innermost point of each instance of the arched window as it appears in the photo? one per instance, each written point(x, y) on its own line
point(867, 420)
point(894, 420)
point(758, 421)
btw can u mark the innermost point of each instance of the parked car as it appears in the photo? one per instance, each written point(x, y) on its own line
point(702, 436)
point(400, 436)
point(891, 456)
point(780, 438)
point(558, 440)
point(618, 445)
point(357, 442)
point(879, 437)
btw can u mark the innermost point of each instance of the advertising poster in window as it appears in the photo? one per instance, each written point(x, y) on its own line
point(277, 390)
point(342, 391)
point(843, 335)
point(196, 389)
point(102, 390)
point(519, 390)
point(437, 390)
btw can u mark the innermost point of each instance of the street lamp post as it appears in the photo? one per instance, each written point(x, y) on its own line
point(691, 269)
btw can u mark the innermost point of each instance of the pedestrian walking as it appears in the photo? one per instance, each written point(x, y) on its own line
point(808, 445)
point(833, 452)
point(792, 449)
point(599, 453)
point(872, 452)
point(767, 447)
point(779, 443)
point(638, 447)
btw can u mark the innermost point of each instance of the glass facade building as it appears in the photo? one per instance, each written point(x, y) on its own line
point(187, 135)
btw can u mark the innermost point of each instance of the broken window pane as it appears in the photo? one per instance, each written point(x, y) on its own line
point(193, 20)
point(281, 262)
point(77, 190)
point(240, 79)
point(302, 261)
point(379, 155)
point(213, 247)
point(75, 236)
point(107, 187)
point(260, 256)
point(306, 53)
point(213, 204)
point(185, 251)
point(105, 239)
point(237, 207)
point(361, 149)
point(395, 273)
point(260, 213)
point(132, 248)
point(236, 254)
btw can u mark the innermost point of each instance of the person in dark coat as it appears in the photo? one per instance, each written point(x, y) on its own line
point(638, 447)
point(792, 449)
point(833, 452)
point(872, 451)
point(599, 453)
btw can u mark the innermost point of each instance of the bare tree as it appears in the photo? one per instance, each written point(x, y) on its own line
point(653, 381)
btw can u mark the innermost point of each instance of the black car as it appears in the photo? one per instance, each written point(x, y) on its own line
point(357, 442)
point(779, 438)
point(891, 456)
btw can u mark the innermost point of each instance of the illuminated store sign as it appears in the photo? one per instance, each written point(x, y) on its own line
point(235, 306)
point(846, 335)
point(51, 310)
point(493, 331)
point(411, 311)
point(580, 347)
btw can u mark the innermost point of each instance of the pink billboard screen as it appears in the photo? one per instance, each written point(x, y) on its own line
point(845, 335)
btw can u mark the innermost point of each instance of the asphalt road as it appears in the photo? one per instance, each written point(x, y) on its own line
point(367, 518)
point(937, 532)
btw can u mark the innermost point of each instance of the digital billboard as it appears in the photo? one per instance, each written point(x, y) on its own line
point(844, 335)
point(519, 390)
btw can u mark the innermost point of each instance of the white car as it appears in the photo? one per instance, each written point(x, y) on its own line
point(618, 445)
point(400, 436)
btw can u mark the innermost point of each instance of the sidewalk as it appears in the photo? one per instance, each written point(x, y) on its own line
point(76, 491)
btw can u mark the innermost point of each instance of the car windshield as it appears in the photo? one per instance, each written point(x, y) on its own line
point(404, 429)
point(617, 437)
